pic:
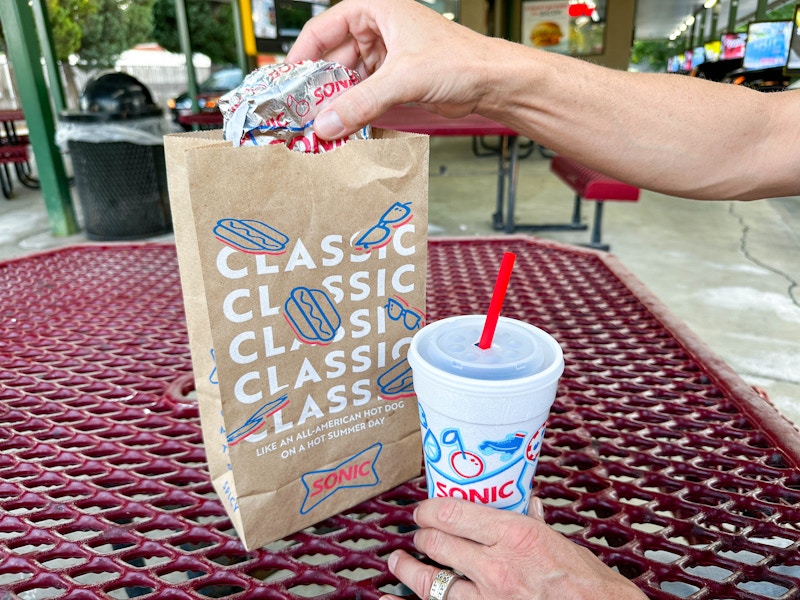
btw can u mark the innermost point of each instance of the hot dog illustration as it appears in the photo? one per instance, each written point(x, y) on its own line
point(312, 315)
point(396, 381)
point(251, 236)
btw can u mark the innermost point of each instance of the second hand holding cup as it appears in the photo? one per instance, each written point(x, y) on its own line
point(485, 385)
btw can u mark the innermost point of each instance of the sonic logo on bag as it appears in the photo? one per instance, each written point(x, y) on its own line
point(355, 472)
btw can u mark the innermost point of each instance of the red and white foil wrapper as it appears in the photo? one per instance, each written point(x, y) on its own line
point(277, 104)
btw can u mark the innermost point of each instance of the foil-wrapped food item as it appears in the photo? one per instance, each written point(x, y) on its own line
point(277, 104)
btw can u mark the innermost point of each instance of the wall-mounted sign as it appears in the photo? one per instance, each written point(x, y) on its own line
point(564, 26)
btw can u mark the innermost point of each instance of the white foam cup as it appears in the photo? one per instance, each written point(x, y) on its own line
point(483, 412)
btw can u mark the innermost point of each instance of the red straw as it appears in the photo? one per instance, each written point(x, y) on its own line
point(496, 303)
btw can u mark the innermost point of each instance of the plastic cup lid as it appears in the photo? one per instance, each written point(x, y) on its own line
point(518, 350)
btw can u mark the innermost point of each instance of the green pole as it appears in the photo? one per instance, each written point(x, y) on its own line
point(714, 21)
point(20, 32)
point(701, 28)
point(50, 62)
point(241, 55)
point(186, 48)
point(761, 10)
point(734, 8)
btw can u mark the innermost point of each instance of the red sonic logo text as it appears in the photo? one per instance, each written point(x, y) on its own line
point(355, 472)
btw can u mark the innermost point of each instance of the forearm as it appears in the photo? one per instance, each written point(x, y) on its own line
point(652, 130)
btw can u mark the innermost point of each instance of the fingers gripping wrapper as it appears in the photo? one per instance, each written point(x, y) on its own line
point(277, 104)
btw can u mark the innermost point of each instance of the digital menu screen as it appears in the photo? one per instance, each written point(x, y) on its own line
point(732, 46)
point(793, 62)
point(767, 44)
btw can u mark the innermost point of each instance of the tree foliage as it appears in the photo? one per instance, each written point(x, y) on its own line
point(115, 26)
point(66, 18)
point(210, 28)
point(655, 53)
point(98, 31)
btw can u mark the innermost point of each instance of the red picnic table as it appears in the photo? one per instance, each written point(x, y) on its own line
point(658, 458)
point(14, 150)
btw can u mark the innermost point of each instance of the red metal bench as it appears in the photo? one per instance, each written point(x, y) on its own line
point(588, 184)
point(11, 153)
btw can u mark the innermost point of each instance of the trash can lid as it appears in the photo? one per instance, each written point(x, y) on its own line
point(114, 97)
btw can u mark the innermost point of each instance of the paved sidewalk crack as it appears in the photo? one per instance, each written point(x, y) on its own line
point(793, 291)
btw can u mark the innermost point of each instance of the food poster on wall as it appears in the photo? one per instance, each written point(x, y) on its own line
point(265, 23)
point(546, 25)
point(564, 26)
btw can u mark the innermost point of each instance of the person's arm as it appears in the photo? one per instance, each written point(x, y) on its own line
point(504, 555)
point(667, 133)
point(673, 134)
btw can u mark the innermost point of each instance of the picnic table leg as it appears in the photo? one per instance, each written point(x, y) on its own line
point(5, 181)
point(594, 240)
point(513, 176)
point(497, 217)
point(576, 211)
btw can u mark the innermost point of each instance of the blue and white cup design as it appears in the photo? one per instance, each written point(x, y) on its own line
point(483, 412)
point(486, 469)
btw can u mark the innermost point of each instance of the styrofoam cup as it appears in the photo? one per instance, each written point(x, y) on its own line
point(483, 412)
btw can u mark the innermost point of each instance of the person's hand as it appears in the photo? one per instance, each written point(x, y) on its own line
point(503, 555)
point(404, 52)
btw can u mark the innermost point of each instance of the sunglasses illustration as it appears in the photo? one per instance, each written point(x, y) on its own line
point(398, 310)
point(380, 234)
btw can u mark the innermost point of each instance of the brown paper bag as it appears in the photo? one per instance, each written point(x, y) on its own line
point(304, 279)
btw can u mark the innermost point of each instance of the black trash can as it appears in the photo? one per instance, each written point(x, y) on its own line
point(118, 159)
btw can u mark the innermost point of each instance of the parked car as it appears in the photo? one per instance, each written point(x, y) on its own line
point(208, 93)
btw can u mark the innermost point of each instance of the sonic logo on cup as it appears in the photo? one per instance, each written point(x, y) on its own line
point(534, 447)
point(356, 471)
point(497, 472)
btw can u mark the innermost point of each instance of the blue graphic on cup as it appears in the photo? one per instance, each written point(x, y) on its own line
point(396, 382)
point(492, 471)
point(506, 447)
point(423, 418)
point(380, 234)
point(251, 236)
point(534, 447)
point(312, 316)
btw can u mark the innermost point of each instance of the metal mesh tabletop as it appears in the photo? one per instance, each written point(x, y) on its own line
point(657, 457)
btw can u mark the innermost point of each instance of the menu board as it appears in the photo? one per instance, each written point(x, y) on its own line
point(564, 26)
point(732, 46)
point(767, 44)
